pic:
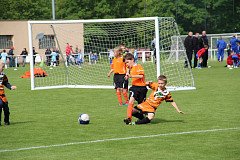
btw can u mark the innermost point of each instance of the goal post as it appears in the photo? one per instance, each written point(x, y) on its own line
point(84, 49)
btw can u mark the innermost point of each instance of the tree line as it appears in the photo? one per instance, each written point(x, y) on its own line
point(215, 16)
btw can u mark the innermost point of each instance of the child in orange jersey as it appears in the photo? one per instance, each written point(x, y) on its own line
point(118, 67)
point(149, 107)
point(3, 99)
point(138, 90)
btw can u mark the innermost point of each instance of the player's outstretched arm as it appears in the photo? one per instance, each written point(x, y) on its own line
point(176, 107)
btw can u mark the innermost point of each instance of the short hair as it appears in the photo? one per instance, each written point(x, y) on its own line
point(163, 78)
point(129, 56)
point(118, 49)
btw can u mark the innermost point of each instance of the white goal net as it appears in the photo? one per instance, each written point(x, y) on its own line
point(84, 49)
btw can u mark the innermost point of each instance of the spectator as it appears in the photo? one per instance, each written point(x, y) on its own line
point(10, 57)
point(34, 55)
point(196, 48)
point(24, 56)
point(233, 42)
point(4, 57)
point(111, 55)
point(221, 45)
point(229, 49)
point(48, 56)
point(68, 51)
point(188, 44)
point(204, 41)
point(79, 59)
point(54, 55)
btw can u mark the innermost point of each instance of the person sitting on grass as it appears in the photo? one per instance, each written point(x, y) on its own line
point(145, 111)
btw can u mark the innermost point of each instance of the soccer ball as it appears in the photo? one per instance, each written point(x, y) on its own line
point(84, 119)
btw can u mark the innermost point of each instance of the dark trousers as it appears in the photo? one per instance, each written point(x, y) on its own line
point(5, 109)
point(195, 59)
point(205, 59)
point(189, 58)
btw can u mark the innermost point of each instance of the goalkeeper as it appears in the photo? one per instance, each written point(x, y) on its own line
point(118, 67)
point(145, 111)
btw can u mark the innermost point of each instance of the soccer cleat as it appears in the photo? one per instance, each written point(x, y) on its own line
point(127, 121)
point(7, 123)
point(132, 123)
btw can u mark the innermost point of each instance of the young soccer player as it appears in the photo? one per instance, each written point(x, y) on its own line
point(54, 55)
point(199, 55)
point(3, 99)
point(149, 107)
point(138, 90)
point(118, 67)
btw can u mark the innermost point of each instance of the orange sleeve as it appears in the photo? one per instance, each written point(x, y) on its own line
point(153, 85)
point(169, 98)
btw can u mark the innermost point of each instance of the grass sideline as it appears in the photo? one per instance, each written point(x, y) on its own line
point(49, 117)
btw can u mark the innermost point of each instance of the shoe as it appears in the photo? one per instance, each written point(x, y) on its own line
point(127, 121)
point(132, 123)
point(120, 104)
point(7, 123)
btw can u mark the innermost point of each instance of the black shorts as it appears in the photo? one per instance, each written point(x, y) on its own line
point(119, 81)
point(138, 93)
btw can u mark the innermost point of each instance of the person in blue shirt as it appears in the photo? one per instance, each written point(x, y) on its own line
point(233, 43)
point(221, 45)
point(54, 55)
point(4, 57)
point(80, 59)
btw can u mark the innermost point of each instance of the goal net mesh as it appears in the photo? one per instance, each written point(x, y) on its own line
point(91, 45)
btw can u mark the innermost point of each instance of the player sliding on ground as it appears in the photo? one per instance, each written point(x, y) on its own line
point(145, 111)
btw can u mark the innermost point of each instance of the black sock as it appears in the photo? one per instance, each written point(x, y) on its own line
point(144, 121)
point(138, 115)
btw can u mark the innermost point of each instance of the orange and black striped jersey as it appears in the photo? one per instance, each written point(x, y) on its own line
point(157, 96)
point(137, 69)
point(118, 65)
point(3, 82)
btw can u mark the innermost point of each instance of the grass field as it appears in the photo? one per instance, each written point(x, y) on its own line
point(44, 123)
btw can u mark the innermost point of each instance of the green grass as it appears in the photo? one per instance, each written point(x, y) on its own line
point(49, 117)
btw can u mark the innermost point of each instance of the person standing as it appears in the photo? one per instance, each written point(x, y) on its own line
point(34, 55)
point(10, 56)
point(118, 67)
point(188, 44)
point(24, 56)
point(233, 43)
point(3, 99)
point(196, 48)
point(221, 45)
point(203, 42)
point(138, 90)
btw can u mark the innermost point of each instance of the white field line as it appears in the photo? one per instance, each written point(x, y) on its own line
point(117, 139)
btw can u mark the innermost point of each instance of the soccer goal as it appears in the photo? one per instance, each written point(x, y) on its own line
point(89, 45)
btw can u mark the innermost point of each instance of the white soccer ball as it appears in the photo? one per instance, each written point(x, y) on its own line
point(84, 119)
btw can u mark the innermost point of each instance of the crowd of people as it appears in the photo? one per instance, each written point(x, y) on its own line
point(197, 48)
point(193, 45)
